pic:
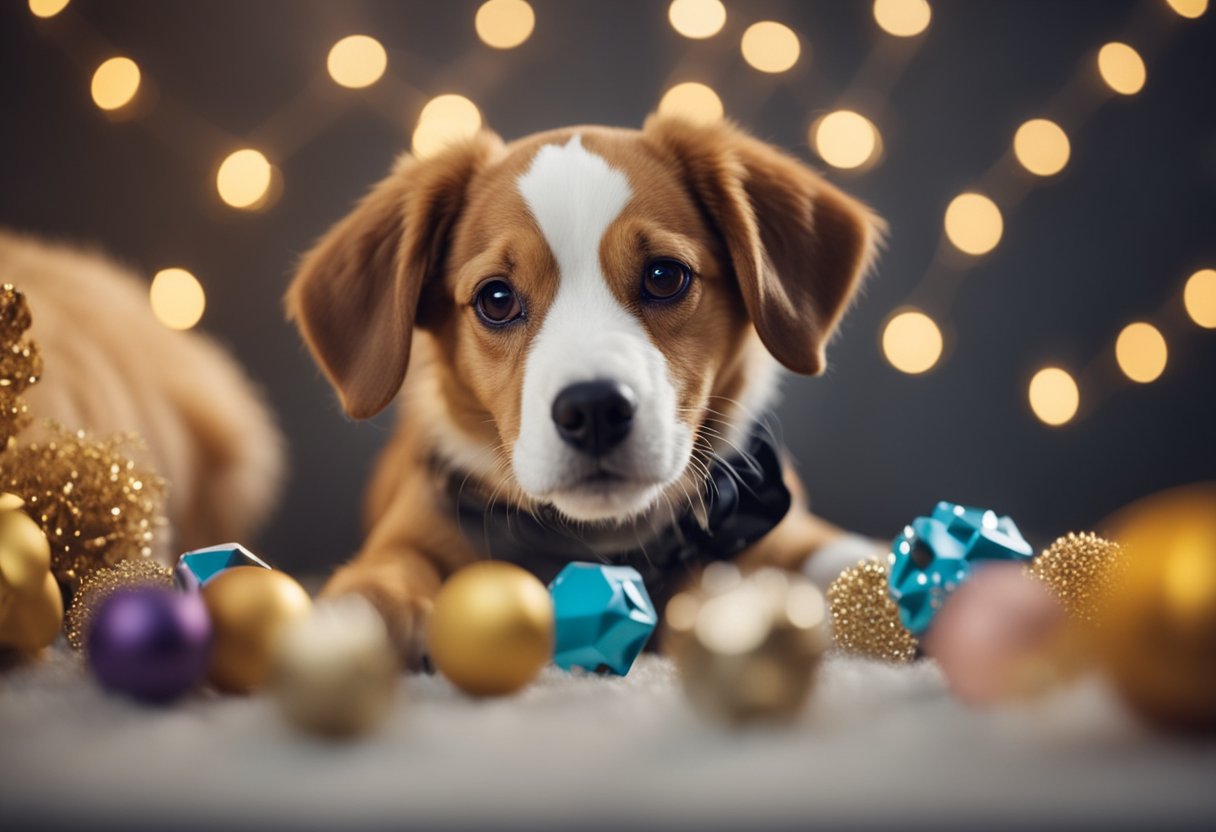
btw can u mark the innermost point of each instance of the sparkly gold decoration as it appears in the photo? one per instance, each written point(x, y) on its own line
point(865, 621)
point(335, 672)
point(95, 504)
point(249, 606)
point(31, 608)
point(1157, 638)
point(1080, 570)
point(99, 584)
point(491, 630)
point(20, 363)
point(746, 647)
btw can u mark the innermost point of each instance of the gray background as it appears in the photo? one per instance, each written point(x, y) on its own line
point(1108, 241)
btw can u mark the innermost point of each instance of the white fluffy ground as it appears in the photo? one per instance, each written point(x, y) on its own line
point(879, 747)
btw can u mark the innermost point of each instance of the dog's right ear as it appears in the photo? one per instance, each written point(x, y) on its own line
point(355, 295)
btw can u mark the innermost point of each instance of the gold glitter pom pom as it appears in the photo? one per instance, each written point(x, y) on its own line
point(99, 584)
point(94, 504)
point(1080, 570)
point(20, 363)
point(865, 621)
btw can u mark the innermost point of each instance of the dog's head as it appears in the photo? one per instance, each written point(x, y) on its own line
point(603, 303)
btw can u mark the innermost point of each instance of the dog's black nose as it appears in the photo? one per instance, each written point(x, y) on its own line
point(594, 416)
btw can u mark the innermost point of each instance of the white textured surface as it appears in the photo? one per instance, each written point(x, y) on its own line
point(879, 746)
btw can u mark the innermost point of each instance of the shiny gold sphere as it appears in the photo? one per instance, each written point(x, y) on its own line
point(491, 630)
point(31, 606)
point(747, 647)
point(25, 554)
point(249, 606)
point(1158, 638)
point(335, 670)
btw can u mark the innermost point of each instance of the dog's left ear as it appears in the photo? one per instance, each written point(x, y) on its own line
point(798, 245)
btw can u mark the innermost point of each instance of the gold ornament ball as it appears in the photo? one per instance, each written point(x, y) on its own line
point(491, 630)
point(335, 670)
point(31, 606)
point(747, 647)
point(249, 606)
point(1158, 633)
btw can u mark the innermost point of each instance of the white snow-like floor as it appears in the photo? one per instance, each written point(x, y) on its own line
point(879, 747)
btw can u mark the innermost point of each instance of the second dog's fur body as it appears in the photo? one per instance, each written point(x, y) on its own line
point(665, 273)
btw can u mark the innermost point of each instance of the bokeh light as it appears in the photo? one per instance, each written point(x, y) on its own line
point(115, 83)
point(1141, 352)
point(902, 18)
point(1200, 298)
point(697, 19)
point(845, 139)
point(770, 46)
point(1122, 68)
point(444, 119)
point(504, 24)
point(1054, 396)
point(357, 61)
point(912, 342)
point(973, 223)
point(244, 178)
point(693, 101)
point(1189, 8)
point(47, 8)
point(1041, 146)
point(177, 298)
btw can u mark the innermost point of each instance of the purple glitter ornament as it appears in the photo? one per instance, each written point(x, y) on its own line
point(152, 644)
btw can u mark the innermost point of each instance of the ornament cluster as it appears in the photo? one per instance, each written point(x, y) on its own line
point(95, 505)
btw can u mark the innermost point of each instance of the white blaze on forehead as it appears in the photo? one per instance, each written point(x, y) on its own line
point(575, 196)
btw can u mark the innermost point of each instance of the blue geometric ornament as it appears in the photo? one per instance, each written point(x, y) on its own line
point(602, 616)
point(935, 554)
point(201, 565)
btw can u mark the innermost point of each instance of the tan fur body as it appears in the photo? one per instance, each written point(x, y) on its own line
point(110, 367)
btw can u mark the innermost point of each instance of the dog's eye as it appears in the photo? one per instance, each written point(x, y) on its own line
point(665, 280)
point(497, 303)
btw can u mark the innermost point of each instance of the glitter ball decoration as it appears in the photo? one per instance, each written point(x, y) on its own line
point(100, 584)
point(1081, 570)
point(20, 362)
point(95, 504)
point(746, 648)
point(865, 621)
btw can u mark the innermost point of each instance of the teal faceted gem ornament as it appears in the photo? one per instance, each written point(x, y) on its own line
point(935, 554)
point(602, 616)
point(201, 565)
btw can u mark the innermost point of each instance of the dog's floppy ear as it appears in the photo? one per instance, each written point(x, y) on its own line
point(799, 246)
point(355, 295)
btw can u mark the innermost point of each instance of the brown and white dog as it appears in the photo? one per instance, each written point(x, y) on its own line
point(591, 318)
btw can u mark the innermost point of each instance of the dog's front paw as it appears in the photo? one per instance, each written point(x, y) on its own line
point(405, 609)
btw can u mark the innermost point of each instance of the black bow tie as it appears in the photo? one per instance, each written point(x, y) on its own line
point(743, 498)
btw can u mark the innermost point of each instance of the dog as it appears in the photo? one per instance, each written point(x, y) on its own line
point(109, 367)
point(593, 321)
